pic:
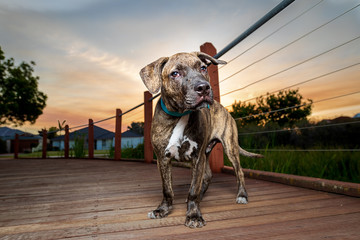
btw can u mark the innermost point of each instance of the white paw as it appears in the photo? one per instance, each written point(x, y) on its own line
point(151, 215)
point(241, 200)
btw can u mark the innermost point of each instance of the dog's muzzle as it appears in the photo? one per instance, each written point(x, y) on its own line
point(204, 94)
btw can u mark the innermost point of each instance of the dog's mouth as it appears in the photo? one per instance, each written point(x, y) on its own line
point(200, 102)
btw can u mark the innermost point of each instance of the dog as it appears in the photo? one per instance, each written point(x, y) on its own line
point(187, 124)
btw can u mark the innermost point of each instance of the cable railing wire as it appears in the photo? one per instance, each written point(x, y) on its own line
point(302, 150)
point(299, 128)
point(291, 67)
point(297, 106)
point(302, 82)
point(277, 9)
point(277, 30)
point(294, 41)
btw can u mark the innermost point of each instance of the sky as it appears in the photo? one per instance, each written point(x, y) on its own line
point(88, 53)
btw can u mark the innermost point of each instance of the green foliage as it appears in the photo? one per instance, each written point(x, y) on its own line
point(111, 152)
point(272, 103)
point(20, 99)
point(280, 143)
point(79, 146)
point(61, 125)
point(134, 153)
point(341, 166)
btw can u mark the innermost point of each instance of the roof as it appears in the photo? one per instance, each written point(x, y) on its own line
point(99, 133)
point(9, 134)
point(130, 134)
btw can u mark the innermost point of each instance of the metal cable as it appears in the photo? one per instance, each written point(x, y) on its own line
point(303, 36)
point(304, 150)
point(300, 128)
point(277, 30)
point(300, 105)
point(302, 82)
point(282, 71)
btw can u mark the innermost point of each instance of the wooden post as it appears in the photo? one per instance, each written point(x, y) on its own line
point(148, 149)
point(91, 139)
point(216, 158)
point(117, 154)
point(66, 142)
point(44, 143)
point(16, 146)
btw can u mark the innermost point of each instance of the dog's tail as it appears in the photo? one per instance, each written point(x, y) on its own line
point(249, 154)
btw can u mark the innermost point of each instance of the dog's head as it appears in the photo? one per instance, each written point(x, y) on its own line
point(183, 79)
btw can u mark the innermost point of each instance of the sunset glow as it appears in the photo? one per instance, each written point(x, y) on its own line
point(88, 54)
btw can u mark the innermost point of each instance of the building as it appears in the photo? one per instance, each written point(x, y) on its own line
point(130, 139)
point(103, 139)
point(26, 140)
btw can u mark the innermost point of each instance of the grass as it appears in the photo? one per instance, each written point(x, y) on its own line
point(342, 166)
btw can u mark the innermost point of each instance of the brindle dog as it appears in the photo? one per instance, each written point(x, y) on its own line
point(186, 126)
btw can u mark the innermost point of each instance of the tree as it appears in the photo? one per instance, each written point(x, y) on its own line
point(20, 99)
point(51, 133)
point(286, 108)
point(137, 127)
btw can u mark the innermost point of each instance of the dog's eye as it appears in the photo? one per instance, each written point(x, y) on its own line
point(175, 74)
point(203, 68)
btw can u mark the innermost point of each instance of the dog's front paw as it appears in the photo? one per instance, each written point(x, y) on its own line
point(241, 200)
point(160, 212)
point(195, 221)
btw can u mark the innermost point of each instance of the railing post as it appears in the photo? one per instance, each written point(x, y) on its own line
point(91, 139)
point(16, 146)
point(216, 159)
point(117, 154)
point(148, 150)
point(66, 142)
point(44, 143)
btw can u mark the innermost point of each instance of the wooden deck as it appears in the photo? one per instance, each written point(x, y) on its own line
point(96, 199)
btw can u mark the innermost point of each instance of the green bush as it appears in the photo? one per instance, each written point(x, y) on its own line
point(135, 153)
point(79, 146)
point(342, 166)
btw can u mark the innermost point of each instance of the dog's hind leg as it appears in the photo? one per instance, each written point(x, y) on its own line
point(232, 150)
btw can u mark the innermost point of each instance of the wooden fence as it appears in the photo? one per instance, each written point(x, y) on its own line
point(216, 157)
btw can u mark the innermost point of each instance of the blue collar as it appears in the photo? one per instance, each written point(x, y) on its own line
point(174, 114)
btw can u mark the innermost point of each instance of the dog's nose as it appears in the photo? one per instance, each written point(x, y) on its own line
point(202, 88)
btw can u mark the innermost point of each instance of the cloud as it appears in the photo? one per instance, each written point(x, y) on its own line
point(104, 60)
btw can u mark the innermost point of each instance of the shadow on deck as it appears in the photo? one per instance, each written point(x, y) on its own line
point(96, 199)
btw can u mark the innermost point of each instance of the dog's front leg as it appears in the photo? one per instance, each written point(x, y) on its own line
point(194, 218)
point(165, 206)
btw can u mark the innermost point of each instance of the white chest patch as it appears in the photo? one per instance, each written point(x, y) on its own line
point(177, 139)
point(192, 147)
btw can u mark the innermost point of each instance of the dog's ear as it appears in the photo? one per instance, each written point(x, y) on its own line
point(151, 75)
point(209, 59)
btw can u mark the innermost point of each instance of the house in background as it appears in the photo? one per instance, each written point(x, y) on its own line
point(103, 139)
point(131, 139)
point(26, 140)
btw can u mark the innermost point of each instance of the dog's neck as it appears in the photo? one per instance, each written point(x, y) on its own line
point(171, 113)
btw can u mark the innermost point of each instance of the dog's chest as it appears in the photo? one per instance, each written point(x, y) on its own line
point(180, 146)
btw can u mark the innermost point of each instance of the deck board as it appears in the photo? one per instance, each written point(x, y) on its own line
point(97, 199)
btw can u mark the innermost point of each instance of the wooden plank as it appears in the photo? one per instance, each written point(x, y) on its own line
point(95, 199)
